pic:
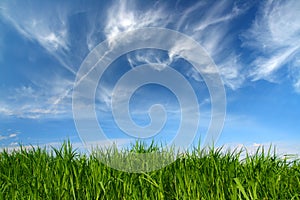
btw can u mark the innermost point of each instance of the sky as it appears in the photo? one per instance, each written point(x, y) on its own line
point(254, 45)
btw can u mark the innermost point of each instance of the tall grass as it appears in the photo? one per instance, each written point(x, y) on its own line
point(65, 174)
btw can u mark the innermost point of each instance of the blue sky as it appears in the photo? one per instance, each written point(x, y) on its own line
point(254, 44)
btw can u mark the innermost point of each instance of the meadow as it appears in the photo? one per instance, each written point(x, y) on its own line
point(63, 173)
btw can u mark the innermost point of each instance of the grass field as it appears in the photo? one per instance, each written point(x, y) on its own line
point(64, 174)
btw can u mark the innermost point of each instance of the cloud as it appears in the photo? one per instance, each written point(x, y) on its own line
point(2, 137)
point(215, 15)
point(297, 85)
point(9, 136)
point(212, 25)
point(265, 68)
point(41, 22)
point(12, 135)
point(148, 57)
point(216, 38)
point(187, 13)
point(211, 30)
point(123, 16)
point(276, 25)
point(79, 146)
point(273, 34)
point(214, 30)
point(48, 99)
point(231, 72)
point(104, 95)
point(274, 38)
point(5, 111)
point(283, 149)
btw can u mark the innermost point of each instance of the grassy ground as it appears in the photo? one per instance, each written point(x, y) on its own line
point(64, 174)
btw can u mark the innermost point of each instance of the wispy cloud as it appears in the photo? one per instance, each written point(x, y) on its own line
point(52, 100)
point(2, 137)
point(9, 136)
point(231, 72)
point(41, 22)
point(282, 149)
point(266, 67)
point(297, 84)
point(211, 30)
point(123, 16)
point(12, 135)
point(219, 12)
point(104, 95)
point(148, 57)
point(78, 146)
point(273, 33)
point(182, 22)
point(210, 24)
point(5, 111)
point(274, 38)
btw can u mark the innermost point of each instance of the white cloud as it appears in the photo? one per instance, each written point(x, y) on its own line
point(194, 74)
point(123, 16)
point(2, 137)
point(79, 146)
point(274, 36)
point(5, 111)
point(187, 13)
point(49, 27)
point(35, 23)
point(215, 15)
point(9, 136)
point(12, 135)
point(297, 85)
point(41, 22)
point(211, 31)
point(104, 95)
point(26, 111)
point(231, 72)
point(283, 149)
point(266, 67)
point(48, 99)
point(211, 28)
point(148, 57)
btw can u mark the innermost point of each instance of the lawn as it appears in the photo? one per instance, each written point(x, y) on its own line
point(63, 173)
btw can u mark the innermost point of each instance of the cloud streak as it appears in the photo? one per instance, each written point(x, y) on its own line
point(210, 24)
point(283, 149)
point(274, 37)
point(9, 136)
point(41, 22)
point(123, 16)
point(210, 30)
point(48, 100)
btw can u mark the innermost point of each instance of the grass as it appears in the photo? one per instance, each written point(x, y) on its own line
point(65, 174)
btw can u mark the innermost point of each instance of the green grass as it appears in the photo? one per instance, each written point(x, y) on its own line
point(64, 174)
